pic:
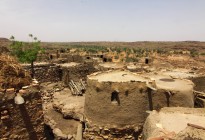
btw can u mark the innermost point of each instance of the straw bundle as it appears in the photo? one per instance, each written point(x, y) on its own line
point(12, 74)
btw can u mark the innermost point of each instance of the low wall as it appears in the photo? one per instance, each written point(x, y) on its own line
point(46, 72)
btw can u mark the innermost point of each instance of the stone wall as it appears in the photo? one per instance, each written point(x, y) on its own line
point(46, 72)
point(24, 121)
point(53, 73)
point(105, 133)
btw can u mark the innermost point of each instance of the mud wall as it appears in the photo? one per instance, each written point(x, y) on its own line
point(161, 98)
point(199, 83)
point(128, 108)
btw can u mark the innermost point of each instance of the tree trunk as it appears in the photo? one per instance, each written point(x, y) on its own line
point(32, 70)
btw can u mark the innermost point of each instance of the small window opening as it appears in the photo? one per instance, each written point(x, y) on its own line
point(126, 92)
point(115, 98)
point(104, 59)
point(51, 57)
point(146, 61)
point(62, 51)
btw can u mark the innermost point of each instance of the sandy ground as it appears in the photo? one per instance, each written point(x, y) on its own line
point(179, 74)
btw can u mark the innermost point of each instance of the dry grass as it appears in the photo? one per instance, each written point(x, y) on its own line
point(12, 74)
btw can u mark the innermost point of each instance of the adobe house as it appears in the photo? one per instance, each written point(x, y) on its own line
point(171, 92)
point(116, 98)
point(124, 96)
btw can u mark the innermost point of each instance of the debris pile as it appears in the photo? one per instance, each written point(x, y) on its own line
point(199, 99)
point(12, 75)
point(77, 88)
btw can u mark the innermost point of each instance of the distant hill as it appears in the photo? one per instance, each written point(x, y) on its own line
point(183, 45)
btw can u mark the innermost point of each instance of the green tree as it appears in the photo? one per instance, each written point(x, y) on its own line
point(26, 51)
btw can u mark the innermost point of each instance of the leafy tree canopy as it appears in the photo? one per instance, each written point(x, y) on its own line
point(26, 51)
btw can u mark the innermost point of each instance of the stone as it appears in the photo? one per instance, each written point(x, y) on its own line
point(10, 90)
point(96, 129)
point(105, 131)
point(1, 95)
point(105, 137)
point(24, 87)
point(4, 112)
point(16, 136)
point(58, 133)
point(57, 89)
point(4, 138)
point(92, 137)
point(129, 137)
point(99, 138)
point(4, 117)
point(70, 137)
point(7, 134)
point(22, 91)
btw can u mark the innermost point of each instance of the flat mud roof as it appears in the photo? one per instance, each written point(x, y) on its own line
point(116, 76)
point(166, 82)
point(71, 64)
point(179, 74)
point(112, 65)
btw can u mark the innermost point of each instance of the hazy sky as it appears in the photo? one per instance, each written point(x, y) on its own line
point(103, 20)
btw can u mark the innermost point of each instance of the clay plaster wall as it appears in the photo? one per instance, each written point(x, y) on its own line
point(177, 98)
point(128, 110)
